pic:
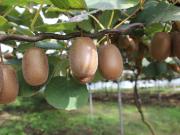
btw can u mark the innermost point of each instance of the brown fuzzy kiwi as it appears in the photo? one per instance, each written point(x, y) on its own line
point(172, 36)
point(35, 66)
point(125, 41)
point(83, 58)
point(1, 80)
point(110, 62)
point(8, 56)
point(10, 85)
point(85, 80)
point(177, 25)
point(160, 46)
point(174, 67)
point(176, 44)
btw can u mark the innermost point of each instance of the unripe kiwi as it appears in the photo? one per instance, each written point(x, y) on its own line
point(176, 44)
point(10, 85)
point(83, 58)
point(160, 46)
point(35, 66)
point(110, 62)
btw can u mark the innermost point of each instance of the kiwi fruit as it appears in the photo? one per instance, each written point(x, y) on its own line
point(177, 25)
point(110, 62)
point(8, 56)
point(1, 80)
point(174, 67)
point(83, 58)
point(35, 66)
point(10, 84)
point(160, 46)
point(176, 44)
point(172, 36)
point(85, 80)
point(124, 41)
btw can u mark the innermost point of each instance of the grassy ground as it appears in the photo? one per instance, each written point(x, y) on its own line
point(23, 118)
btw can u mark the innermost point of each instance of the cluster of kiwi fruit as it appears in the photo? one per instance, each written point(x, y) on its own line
point(85, 59)
point(35, 71)
point(165, 45)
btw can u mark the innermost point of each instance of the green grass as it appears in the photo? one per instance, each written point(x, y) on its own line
point(105, 120)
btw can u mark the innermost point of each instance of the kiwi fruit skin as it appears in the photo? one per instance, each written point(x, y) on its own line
point(110, 62)
point(174, 67)
point(125, 41)
point(83, 58)
point(161, 46)
point(176, 44)
point(172, 48)
point(85, 80)
point(177, 25)
point(1, 80)
point(35, 66)
point(8, 56)
point(10, 85)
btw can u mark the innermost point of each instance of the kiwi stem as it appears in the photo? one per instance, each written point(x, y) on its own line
point(36, 16)
point(97, 21)
point(101, 40)
point(165, 26)
point(111, 19)
point(131, 15)
point(68, 73)
point(108, 40)
point(2, 61)
point(139, 106)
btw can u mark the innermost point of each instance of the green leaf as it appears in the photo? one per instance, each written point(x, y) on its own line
point(69, 4)
point(3, 9)
point(16, 63)
point(50, 45)
point(66, 94)
point(51, 12)
point(41, 44)
point(111, 4)
point(27, 17)
point(154, 28)
point(97, 77)
point(86, 25)
point(155, 69)
point(57, 27)
point(60, 65)
point(22, 2)
point(160, 12)
point(4, 25)
point(23, 46)
point(105, 16)
point(23, 31)
point(14, 2)
point(40, 1)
